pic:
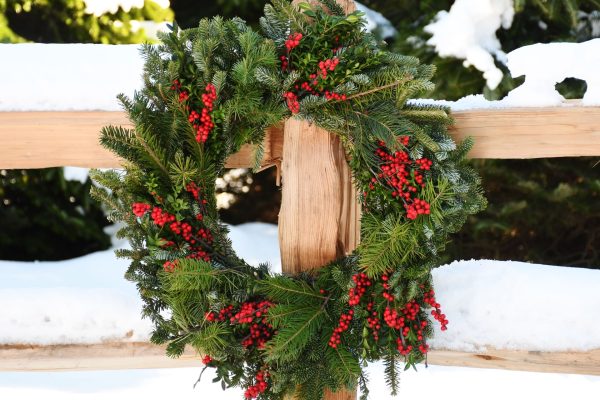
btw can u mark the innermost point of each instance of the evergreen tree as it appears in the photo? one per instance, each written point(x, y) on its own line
point(58, 218)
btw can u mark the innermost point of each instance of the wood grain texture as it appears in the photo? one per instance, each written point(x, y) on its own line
point(319, 219)
point(319, 216)
point(54, 139)
point(530, 132)
point(97, 356)
point(50, 139)
point(136, 355)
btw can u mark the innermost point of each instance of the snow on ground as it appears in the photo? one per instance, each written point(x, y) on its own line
point(468, 32)
point(159, 384)
point(506, 305)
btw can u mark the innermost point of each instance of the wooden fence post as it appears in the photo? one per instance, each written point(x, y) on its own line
point(319, 219)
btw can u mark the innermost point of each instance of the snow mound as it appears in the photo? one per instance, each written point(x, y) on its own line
point(468, 32)
point(516, 305)
point(545, 65)
point(505, 305)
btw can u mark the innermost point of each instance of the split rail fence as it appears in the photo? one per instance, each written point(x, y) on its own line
point(49, 139)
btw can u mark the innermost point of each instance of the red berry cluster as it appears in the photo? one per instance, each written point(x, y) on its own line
point(429, 298)
point(334, 96)
point(207, 360)
point(284, 62)
point(342, 327)
point(327, 65)
point(292, 102)
point(386, 287)
point(293, 40)
point(416, 208)
point(403, 176)
point(224, 314)
point(139, 209)
point(314, 85)
point(204, 123)
point(169, 266)
point(193, 189)
point(161, 217)
point(198, 254)
point(259, 387)
point(373, 321)
point(361, 282)
point(253, 315)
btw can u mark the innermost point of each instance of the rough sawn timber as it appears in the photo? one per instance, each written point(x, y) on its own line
point(319, 218)
point(137, 355)
point(52, 139)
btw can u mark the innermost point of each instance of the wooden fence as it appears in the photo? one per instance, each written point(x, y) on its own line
point(51, 139)
point(46, 139)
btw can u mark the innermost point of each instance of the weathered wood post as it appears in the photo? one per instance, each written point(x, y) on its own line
point(319, 220)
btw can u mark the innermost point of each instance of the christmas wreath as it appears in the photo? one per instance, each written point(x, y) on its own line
point(208, 91)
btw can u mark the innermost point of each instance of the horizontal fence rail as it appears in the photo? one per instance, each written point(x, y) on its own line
point(137, 355)
point(50, 139)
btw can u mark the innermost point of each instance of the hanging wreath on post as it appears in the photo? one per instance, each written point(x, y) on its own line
point(208, 91)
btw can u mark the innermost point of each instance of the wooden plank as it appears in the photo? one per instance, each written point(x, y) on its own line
point(53, 139)
point(531, 132)
point(319, 215)
point(97, 356)
point(585, 363)
point(137, 355)
point(49, 139)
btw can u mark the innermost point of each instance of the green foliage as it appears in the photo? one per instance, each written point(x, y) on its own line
point(66, 21)
point(67, 223)
point(47, 215)
point(305, 333)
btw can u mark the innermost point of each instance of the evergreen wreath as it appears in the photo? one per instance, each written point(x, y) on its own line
point(209, 90)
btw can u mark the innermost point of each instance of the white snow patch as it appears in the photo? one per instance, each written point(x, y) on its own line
point(545, 65)
point(505, 305)
point(516, 305)
point(62, 77)
point(99, 7)
point(376, 20)
point(76, 174)
point(87, 300)
point(159, 384)
point(468, 31)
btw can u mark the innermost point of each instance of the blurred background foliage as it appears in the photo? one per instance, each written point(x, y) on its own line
point(543, 210)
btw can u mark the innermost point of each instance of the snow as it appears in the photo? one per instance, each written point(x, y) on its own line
point(489, 303)
point(545, 65)
point(468, 32)
point(505, 305)
point(376, 20)
point(516, 305)
point(67, 77)
point(159, 384)
point(99, 7)
point(76, 174)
